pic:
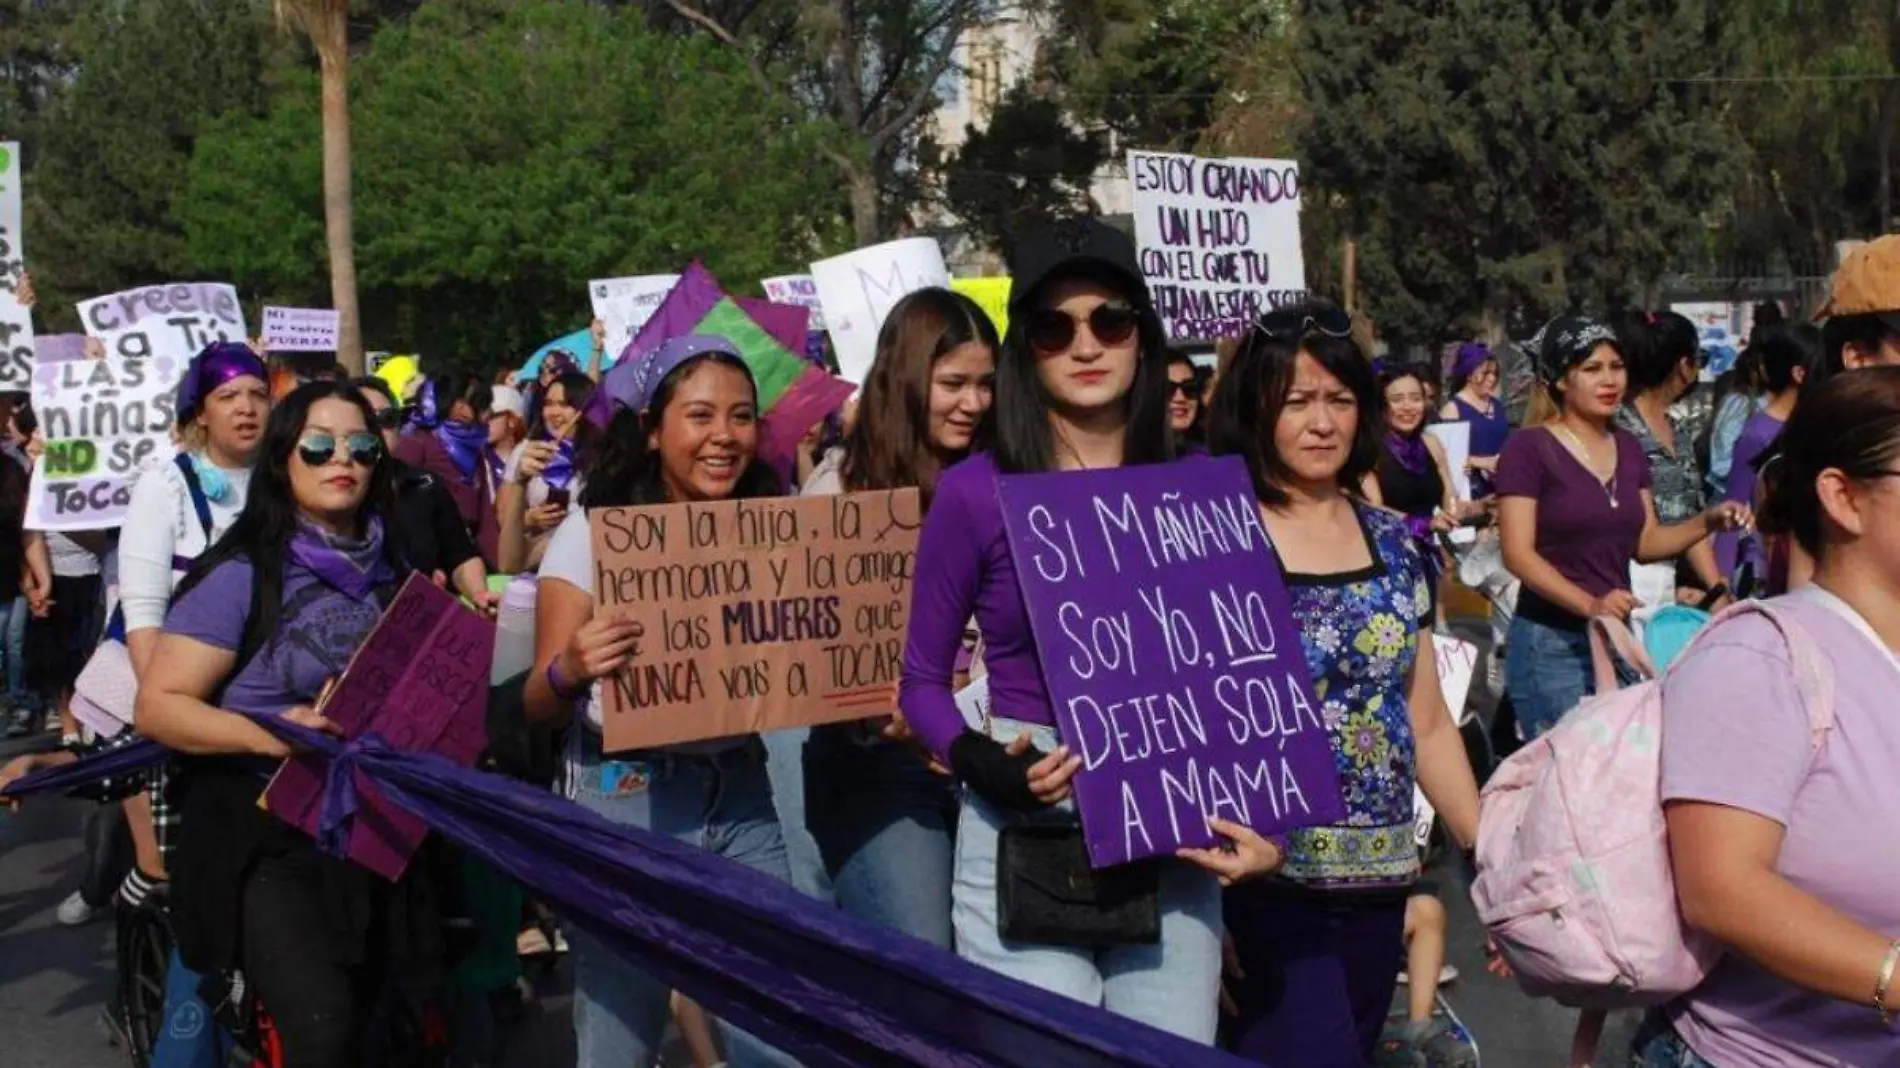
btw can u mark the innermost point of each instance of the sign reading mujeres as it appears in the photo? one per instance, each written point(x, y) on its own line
point(1171, 655)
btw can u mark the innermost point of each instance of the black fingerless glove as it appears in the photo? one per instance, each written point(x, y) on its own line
point(986, 766)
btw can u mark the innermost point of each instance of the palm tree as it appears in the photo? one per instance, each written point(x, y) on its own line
point(326, 24)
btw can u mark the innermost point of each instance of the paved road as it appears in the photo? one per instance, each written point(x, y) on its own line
point(54, 979)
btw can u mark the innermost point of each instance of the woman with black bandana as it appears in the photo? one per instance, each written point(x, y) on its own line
point(1575, 508)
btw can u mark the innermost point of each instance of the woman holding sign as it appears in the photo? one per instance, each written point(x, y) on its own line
point(677, 425)
point(884, 822)
point(1082, 383)
point(1320, 945)
point(263, 623)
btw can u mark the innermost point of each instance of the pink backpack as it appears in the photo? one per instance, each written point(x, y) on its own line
point(1574, 882)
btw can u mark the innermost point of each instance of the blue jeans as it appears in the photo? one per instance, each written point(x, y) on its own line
point(1658, 1046)
point(1547, 671)
point(785, 762)
point(15, 616)
point(886, 828)
point(1173, 985)
point(722, 804)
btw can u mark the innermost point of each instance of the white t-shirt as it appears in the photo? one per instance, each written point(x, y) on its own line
point(570, 558)
point(70, 559)
point(161, 524)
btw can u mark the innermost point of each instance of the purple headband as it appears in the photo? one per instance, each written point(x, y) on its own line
point(218, 363)
point(634, 380)
point(1471, 356)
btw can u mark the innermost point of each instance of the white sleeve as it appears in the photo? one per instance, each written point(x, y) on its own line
point(513, 467)
point(147, 543)
point(570, 555)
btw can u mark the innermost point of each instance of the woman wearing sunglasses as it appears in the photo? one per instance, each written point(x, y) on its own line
point(676, 425)
point(1320, 944)
point(262, 624)
point(538, 481)
point(1186, 412)
point(884, 822)
point(1081, 383)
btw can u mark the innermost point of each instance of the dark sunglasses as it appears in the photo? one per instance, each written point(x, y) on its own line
point(1291, 324)
point(389, 419)
point(1050, 330)
point(318, 448)
point(1190, 389)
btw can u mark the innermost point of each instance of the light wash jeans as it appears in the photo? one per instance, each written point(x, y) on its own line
point(722, 804)
point(16, 615)
point(1547, 672)
point(1173, 985)
point(886, 828)
point(784, 751)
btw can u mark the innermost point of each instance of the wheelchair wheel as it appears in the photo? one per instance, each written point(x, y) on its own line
point(143, 958)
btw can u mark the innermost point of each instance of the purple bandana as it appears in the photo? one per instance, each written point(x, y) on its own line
point(497, 464)
point(634, 380)
point(1471, 356)
point(350, 566)
point(218, 363)
point(560, 470)
point(1409, 450)
point(465, 443)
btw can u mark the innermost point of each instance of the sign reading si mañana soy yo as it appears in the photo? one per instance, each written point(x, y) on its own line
point(1171, 655)
point(759, 614)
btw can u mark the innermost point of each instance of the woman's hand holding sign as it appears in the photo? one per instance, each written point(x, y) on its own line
point(603, 645)
point(1246, 856)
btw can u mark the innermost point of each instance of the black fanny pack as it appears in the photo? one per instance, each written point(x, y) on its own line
point(1048, 895)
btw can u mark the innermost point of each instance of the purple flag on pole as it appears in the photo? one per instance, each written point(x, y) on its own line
point(1171, 655)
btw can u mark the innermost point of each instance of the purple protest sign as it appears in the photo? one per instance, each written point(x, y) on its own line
point(1171, 655)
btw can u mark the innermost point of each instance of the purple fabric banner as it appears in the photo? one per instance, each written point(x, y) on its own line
point(1171, 655)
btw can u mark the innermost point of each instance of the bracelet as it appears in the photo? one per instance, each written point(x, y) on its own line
point(1886, 981)
point(564, 689)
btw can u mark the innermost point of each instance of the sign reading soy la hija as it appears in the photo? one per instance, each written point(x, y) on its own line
point(16, 320)
point(759, 614)
point(299, 329)
point(1171, 655)
point(1219, 238)
point(106, 420)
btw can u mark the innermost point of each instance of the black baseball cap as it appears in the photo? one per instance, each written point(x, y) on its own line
point(1082, 247)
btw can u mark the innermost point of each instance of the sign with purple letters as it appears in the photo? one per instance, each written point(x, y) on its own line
point(1171, 655)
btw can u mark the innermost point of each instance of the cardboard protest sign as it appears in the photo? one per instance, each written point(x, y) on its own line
point(990, 294)
point(858, 289)
point(420, 683)
point(1171, 655)
point(299, 329)
point(105, 421)
point(760, 614)
point(799, 289)
point(625, 304)
point(1457, 665)
point(1219, 238)
point(16, 320)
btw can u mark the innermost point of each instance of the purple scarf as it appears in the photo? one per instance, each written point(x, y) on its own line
point(497, 465)
point(1409, 450)
point(465, 442)
point(560, 469)
point(353, 567)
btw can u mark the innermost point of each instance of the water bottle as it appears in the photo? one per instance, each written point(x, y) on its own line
point(514, 630)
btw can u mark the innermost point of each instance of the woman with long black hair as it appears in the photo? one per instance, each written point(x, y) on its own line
point(675, 425)
point(262, 624)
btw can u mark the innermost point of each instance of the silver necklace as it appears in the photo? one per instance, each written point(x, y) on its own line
point(1583, 455)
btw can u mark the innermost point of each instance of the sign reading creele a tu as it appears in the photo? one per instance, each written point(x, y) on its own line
point(759, 614)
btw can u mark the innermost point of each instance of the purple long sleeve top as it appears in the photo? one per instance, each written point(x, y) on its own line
point(964, 569)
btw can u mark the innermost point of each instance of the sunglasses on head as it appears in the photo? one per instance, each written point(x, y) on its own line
point(1291, 324)
point(1052, 330)
point(318, 448)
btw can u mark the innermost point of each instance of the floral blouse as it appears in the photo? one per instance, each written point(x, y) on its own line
point(1360, 633)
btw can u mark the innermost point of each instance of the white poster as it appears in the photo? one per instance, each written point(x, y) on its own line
point(1456, 438)
point(1457, 666)
point(107, 419)
point(299, 329)
point(799, 289)
point(1219, 239)
point(16, 321)
point(625, 305)
point(858, 289)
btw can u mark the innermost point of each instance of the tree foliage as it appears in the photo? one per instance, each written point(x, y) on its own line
point(504, 155)
point(1028, 166)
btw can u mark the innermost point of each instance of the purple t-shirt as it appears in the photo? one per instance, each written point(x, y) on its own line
point(964, 569)
point(1583, 530)
point(319, 630)
point(1735, 733)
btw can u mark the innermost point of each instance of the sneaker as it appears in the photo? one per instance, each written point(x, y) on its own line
point(1446, 976)
point(74, 912)
point(22, 723)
